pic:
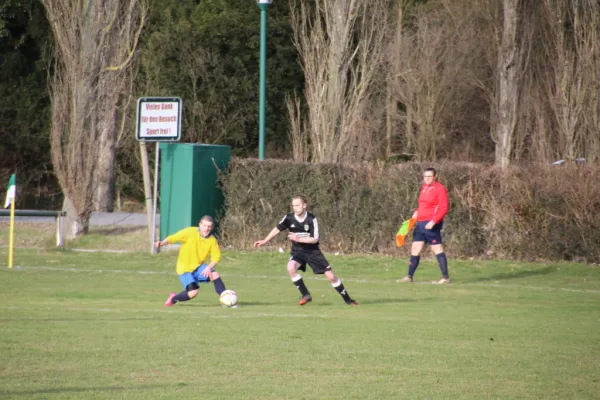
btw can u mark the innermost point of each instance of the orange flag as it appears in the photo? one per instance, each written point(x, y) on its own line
point(405, 228)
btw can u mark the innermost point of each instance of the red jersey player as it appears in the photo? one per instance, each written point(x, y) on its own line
point(433, 207)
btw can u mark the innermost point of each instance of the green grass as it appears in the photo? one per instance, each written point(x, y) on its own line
point(83, 325)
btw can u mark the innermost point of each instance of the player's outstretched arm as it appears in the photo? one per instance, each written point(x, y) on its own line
point(180, 236)
point(159, 243)
point(270, 236)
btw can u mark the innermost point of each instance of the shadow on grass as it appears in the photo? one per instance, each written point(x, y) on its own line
point(511, 275)
point(387, 301)
point(327, 303)
point(257, 303)
point(314, 303)
point(244, 303)
point(84, 389)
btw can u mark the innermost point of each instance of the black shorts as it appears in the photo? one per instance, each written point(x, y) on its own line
point(431, 236)
point(315, 259)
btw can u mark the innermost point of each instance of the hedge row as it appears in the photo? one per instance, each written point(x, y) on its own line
point(527, 213)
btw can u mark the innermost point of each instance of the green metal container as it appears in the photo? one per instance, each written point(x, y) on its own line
point(188, 184)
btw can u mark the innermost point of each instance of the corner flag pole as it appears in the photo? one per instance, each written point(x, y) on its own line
point(10, 199)
point(11, 235)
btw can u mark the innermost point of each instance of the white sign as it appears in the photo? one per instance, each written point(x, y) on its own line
point(159, 119)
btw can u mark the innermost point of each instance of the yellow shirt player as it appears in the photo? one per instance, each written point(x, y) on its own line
point(198, 246)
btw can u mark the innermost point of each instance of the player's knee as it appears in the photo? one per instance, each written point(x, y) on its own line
point(292, 268)
point(416, 248)
point(214, 275)
point(192, 289)
point(437, 249)
point(331, 276)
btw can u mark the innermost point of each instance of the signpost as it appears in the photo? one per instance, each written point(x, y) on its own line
point(158, 120)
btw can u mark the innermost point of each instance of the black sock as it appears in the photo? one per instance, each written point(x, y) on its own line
point(339, 286)
point(299, 283)
point(443, 261)
point(183, 296)
point(413, 264)
point(219, 286)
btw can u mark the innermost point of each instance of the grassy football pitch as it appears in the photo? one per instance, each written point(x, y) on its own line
point(92, 325)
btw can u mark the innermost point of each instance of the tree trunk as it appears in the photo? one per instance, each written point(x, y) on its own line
point(388, 122)
point(408, 131)
point(508, 69)
point(105, 172)
point(74, 224)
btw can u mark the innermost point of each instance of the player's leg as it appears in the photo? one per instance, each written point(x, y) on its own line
point(434, 238)
point(340, 288)
point(294, 264)
point(217, 282)
point(419, 238)
point(213, 276)
point(190, 290)
point(320, 265)
point(438, 250)
point(413, 262)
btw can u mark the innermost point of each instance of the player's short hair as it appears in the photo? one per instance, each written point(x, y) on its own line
point(301, 197)
point(431, 169)
point(207, 218)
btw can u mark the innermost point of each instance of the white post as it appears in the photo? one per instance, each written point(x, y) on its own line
point(59, 229)
point(148, 194)
point(155, 249)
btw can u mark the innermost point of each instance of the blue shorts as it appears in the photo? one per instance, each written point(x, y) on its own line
point(190, 277)
point(431, 236)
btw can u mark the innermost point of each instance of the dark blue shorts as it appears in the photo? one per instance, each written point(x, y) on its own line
point(431, 236)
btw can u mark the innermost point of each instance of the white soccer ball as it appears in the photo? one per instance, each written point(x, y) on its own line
point(228, 298)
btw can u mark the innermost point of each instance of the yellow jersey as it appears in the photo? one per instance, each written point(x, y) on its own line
point(195, 249)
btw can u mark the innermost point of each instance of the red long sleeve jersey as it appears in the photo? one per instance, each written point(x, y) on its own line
point(433, 203)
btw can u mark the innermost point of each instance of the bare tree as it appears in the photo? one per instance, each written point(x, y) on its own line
point(395, 90)
point(95, 42)
point(570, 75)
point(298, 132)
point(511, 62)
point(340, 43)
point(428, 65)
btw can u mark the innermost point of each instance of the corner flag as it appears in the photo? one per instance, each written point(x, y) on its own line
point(405, 228)
point(11, 192)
